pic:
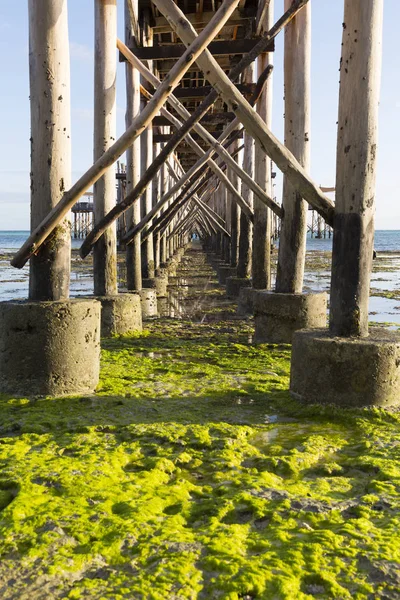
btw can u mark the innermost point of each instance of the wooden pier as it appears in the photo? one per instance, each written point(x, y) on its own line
point(82, 215)
point(199, 152)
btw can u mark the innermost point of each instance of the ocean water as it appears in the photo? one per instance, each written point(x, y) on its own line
point(385, 241)
point(385, 276)
point(10, 241)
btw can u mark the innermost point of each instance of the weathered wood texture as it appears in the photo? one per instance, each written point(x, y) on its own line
point(147, 158)
point(146, 141)
point(50, 143)
point(163, 190)
point(297, 77)
point(217, 48)
point(132, 78)
point(252, 122)
point(206, 157)
point(235, 213)
point(199, 20)
point(167, 85)
point(105, 73)
point(155, 198)
point(261, 265)
point(246, 228)
point(356, 167)
point(48, 224)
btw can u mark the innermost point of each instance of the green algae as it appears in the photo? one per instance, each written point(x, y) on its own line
point(191, 473)
point(390, 294)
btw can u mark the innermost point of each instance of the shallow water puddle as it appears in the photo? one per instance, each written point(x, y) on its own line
point(383, 310)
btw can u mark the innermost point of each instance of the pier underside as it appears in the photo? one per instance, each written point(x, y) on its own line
point(193, 424)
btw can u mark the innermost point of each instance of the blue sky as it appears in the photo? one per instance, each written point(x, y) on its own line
point(327, 16)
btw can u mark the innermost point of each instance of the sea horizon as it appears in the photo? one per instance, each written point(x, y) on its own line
point(386, 240)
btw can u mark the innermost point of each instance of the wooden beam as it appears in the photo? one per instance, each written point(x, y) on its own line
point(265, 198)
point(220, 118)
point(264, 138)
point(167, 86)
point(50, 222)
point(163, 138)
point(218, 48)
point(200, 92)
point(198, 21)
point(191, 122)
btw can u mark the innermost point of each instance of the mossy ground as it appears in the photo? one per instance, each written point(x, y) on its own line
point(192, 474)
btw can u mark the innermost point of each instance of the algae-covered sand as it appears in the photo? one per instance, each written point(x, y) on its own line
point(192, 474)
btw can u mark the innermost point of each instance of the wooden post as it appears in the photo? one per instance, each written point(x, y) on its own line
point(253, 123)
point(216, 144)
point(163, 192)
point(292, 243)
point(235, 213)
point(171, 239)
point(155, 198)
point(146, 142)
point(105, 73)
point(356, 167)
point(261, 265)
point(246, 227)
point(226, 214)
point(69, 198)
point(133, 250)
point(50, 143)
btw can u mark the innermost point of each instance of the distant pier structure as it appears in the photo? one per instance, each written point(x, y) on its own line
point(82, 217)
point(121, 193)
point(317, 226)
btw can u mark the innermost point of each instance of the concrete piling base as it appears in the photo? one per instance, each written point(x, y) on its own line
point(225, 271)
point(120, 314)
point(215, 261)
point(246, 301)
point(148, 300)
point(49, 348)
point(172, 266)
point(162, 306)
point(161, 272)
point(235, 284)
point(159, 283)
point(278, 316)
point(346, 371)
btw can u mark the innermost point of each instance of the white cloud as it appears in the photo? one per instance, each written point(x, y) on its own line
point(81, 52)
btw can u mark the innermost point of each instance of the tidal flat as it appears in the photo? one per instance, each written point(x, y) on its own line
point(192, 474)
